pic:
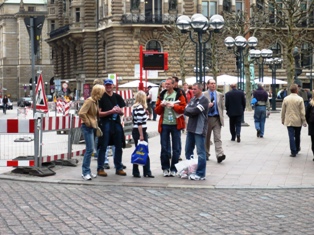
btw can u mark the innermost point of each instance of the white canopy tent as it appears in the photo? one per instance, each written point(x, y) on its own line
point(268, 80)
point(192, 80)
point(226, 79)
point(136, 83)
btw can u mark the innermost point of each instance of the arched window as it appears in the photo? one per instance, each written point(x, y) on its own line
point(306, 55)
point(276, 48)
point(153, 45)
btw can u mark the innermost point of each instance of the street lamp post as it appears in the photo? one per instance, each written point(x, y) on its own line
point(259, 57)
point(200, 25)
point(273, 63)
point(239, 44)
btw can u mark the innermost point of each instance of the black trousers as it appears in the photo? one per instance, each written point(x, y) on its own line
point(136, 138)
point(235, 126)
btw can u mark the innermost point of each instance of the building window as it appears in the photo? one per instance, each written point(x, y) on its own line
point(153, 45)
point(213, 8)
point(205, 9)
point(227, 5)
point(153, 11)
point(52, 1)
point(52, 25)
point(105, 55)
point(31, 9)
point(135, 4)
point(275, 10)
point(64, 5)
point(239, 6)
point(260, 4)
point(276, 48)
point(77, 14)
point(173, 5)
point(307, 56)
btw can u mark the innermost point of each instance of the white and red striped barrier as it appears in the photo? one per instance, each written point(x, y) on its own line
point(28, 125)
point(17, 125)
point(62, 156)
point(16, 163)
point(60, 123)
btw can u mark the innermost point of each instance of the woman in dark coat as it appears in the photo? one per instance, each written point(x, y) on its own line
point(309, 115)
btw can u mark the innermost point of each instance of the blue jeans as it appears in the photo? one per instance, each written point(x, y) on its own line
point(153, 105)
point(115, 138)
point(168, 130)
point(193, 139)
point(88, 133)
point(260, 118)
point(294, 138)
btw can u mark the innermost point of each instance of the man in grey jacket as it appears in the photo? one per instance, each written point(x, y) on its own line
point(197, 111)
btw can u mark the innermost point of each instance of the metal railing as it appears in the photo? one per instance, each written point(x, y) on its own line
point(147, 19)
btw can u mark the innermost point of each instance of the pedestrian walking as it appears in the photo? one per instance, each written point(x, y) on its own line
point(215, 120)
point(5, 101)
point(170, 106)
point(262, 104)
point(110, 109)
point(309, 116)
point(89, 115)
point(139, 131)
point(235, 106)
point(293, 116)
point(197, 111)
point(153, 94)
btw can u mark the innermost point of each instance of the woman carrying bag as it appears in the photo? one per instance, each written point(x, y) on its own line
point(139, 130)
point(89, 115)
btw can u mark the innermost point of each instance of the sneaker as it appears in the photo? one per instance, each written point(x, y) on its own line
point(101, 173)
point(106, 166)
point(173, 174)
point(87, 177)
point(120, 172)
point(196, 177)
point(166, 173)
point(93, 175)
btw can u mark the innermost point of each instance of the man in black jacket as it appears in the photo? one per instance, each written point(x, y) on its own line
point(235, 106)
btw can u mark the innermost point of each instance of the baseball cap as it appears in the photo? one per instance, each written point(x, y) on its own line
point(108, 82)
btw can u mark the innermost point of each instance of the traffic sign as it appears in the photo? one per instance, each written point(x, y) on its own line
point(40, 96)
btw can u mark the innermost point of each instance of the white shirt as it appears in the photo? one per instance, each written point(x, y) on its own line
point(153, 92)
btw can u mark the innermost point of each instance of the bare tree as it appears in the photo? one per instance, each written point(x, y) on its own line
point(289, 23)
point(180, 48)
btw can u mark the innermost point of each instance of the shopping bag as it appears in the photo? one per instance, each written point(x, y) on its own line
point(140, 154)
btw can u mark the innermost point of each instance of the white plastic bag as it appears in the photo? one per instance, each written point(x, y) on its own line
point(186, 167)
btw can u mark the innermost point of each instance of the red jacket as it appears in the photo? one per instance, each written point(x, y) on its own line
point(178, 108)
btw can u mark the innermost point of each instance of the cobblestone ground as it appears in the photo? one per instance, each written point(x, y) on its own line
point(35, 208)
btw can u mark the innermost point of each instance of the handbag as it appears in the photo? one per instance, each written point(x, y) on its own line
point(140, 154)
point(98, 132)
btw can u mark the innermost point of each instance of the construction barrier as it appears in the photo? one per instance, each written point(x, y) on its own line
point(55, 147)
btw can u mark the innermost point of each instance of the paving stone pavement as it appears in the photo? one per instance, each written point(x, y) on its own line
point(253, 163)
point(42, 208)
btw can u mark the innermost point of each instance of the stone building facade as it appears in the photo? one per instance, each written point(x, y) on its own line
point(92, 39)
point(15, 53)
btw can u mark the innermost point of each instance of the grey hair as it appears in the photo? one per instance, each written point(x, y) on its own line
point(199, 85)
point(260, 85)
